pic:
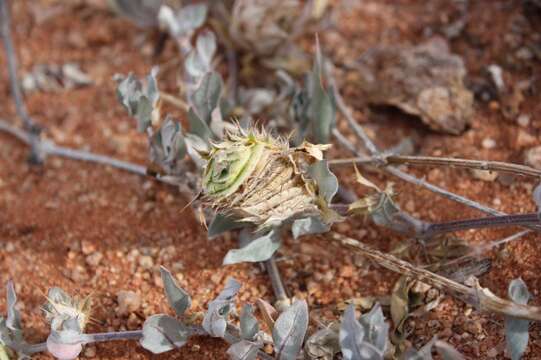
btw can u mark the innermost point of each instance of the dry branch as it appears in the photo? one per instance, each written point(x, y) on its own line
point(480, 297)
point(33, 129)
point(443, 161)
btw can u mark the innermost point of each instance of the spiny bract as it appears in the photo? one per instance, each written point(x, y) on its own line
point(259, 179)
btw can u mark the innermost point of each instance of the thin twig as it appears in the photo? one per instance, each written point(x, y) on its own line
point(480, 297)
point(442, 161)
point(531, 219)
point(231, 337)
point(36, 156)
point(282, 300)
point(50, 148)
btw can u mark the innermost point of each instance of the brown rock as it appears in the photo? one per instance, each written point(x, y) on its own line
point(128, 302)
point(533, 157)
point(425, 80)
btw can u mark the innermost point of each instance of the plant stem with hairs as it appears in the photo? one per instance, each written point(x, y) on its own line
point(36, 155)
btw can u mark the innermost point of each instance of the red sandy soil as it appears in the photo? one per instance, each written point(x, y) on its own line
point(55, 219)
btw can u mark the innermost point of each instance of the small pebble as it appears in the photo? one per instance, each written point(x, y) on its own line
point(146, 262)
point(485, 175)
point(94, 259)
point(90, 351)
point(488, 143)
point(128, 301)
point(533, 157)
point(523, 120)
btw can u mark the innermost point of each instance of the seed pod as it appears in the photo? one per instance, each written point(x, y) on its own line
point(259, 179)
point(60, 307)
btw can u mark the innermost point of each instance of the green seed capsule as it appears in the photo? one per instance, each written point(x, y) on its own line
point(260, 179)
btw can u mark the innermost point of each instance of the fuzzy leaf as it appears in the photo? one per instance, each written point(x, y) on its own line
point(516, 330)
point(206, 98)
point(13, 321)
point(260, 249)
point(424, 353)
point(142, 12)
point(215, 320)
point(289, 331)
point(168, 145)
point(249, 326)
point(447, 351)
point(206, 47)
point(184, 21)
point(138, 100)
point(308, 226)
point(222, 223)
point(178, 298)
point(324, 344)
point(353, 339)
point(66, 331)
point(376, 330)
point(198, 126)
point(322, 107)
point(243, 350)
point(326, 181)
point(162, 333)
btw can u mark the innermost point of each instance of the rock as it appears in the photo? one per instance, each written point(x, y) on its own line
point(146, 262)
point(79, 274)
point(485, 175)
point(128, 302)
point(523, 120)
point(524, 139)
point(425, 80)
point(90, 351)
point(87, 247)
point(488, 143)
point(94, 259)
point(532, 157)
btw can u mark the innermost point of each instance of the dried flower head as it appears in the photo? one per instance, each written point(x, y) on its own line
point(258, 178)
point(61, 307)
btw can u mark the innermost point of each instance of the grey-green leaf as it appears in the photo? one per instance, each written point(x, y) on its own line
point(326, 181)
point(138, 100)
point(516, 330)
point(308, 226)
point(13, 321)
point(424, 353)
point(447, 351)
point(178, 298)
point(324, 344)
point(206, 47)
point(322, 107)
point(260, 249)
point(289, 331)
point(249, 327)
point(222, 223)
point(205, 99)
point(215, 320)
point(162, 333)
point(243, 350)
point(376, 330)
point(352, 339)
point(198, 126)
point(168, 146)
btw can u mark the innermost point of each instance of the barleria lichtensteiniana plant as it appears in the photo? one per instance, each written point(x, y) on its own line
point(266, 181)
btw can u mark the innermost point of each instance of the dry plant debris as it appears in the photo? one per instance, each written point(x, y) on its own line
point(262, 182)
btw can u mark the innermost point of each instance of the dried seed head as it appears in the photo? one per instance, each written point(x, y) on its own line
point(259, 179)
point(61, 307)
